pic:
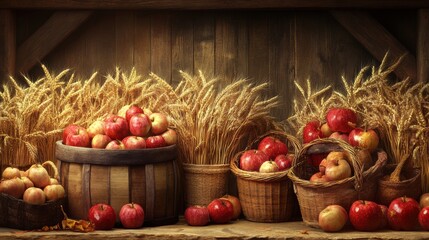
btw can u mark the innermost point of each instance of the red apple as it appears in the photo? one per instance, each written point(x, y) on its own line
point(115, 145)
point(103, 216)
point(14, 187)
point(312, 131)
point(272, 147)
point(341, 136)
point(170, 137)
point(365, 215)
point(220, 210)
point(283, 161)
point(67, 130)
point(131, 215)
point(159, 123)
point(341, 119)
point(197, 215)
point(337, 169)
point(424, 218)
point(97, 127)
point(139, 124)
point(251, 160)
point(332, 218)
point(116, 127)
point(100, 141)
point(131, 111)
point(403, 214)
point(134, 142)
point(424, 200)
point(365, 139)
point(235, 204)
point(155, 142)
point(384, 222)
point(318, 177)
point(268, 167)
point(78, 138)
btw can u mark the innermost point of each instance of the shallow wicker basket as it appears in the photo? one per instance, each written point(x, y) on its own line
point(313, 197)
point(266, 197)
point(15, 213)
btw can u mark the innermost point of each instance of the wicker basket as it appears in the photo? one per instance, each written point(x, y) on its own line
point(15, 213)
point(266, 197)
point(204, 182)
point(410, 186)
point(313, 197)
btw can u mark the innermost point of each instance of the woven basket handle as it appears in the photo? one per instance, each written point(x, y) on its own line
point(53, 166)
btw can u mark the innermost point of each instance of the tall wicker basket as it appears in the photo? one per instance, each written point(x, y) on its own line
point(313, 197)
point(266, 197)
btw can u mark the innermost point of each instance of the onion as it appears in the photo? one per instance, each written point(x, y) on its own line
point(54, 192)
point(14, 187)
point(11, 172)
point(39, 176)
point(35, 196)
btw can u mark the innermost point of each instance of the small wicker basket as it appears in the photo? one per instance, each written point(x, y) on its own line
point(266, 197)
point(313, 197)
point(15, 213)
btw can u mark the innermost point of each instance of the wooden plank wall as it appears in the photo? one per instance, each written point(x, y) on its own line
point(275, 46)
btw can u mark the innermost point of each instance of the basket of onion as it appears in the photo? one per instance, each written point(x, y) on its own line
point(31, 199)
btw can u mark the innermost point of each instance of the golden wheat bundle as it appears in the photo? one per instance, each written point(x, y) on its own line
point(399, 111)
point(214, 122)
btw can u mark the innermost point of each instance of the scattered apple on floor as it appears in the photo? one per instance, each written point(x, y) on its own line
point(219, 211)
point(403, 214)
point(132, 128)
point(332, 218)
point(131, 215)
point(365, 215)
point(103, 216)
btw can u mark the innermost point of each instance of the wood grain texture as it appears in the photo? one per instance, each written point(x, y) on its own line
point(119, 188)
point(7, 44)
point(44, 40)
point(161, 45)
point(182, 45)
point(258, 55)
point(124, 25)
point(204, 42)
point(423, 46)
point(377, 40)
point(211, 4)
point(142, 42)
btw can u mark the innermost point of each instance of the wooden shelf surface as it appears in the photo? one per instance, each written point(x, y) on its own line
point(240, 229)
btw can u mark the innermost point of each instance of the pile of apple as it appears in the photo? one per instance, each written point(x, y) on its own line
point(341, 123)
point(403, 214)
point(103, 216)
point(33, 186)
point(219, 211)
point(270, 156)
point(131, 128)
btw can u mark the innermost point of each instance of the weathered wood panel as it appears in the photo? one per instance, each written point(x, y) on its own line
point(423, 46)
point(274, 46)
point(7, 44)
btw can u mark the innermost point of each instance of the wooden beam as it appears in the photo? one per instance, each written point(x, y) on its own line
point(57, 28)
point(7, 44)
point(423, 46)
point(377, 40)
point(209, 4)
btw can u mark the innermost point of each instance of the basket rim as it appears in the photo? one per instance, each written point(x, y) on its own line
point(258, 176)
point(357, 179)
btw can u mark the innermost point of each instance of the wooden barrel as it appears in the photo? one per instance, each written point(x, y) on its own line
point(148, 177)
